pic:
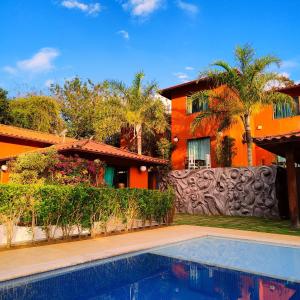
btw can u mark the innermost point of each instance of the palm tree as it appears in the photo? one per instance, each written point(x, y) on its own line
point(248, 86)
point(141, 107)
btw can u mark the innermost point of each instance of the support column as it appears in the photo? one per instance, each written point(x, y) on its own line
point(292, 188)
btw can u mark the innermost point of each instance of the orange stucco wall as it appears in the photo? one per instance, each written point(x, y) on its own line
point(271, 126)
point(12, 146)
point(4, 176)
point(138, 179)
point(263, 124)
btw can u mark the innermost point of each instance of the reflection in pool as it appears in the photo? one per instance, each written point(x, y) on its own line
point(149, 276)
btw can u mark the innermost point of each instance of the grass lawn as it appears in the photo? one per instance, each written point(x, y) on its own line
point(243, 223)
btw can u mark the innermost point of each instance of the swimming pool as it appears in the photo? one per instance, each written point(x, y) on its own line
point(204, 268)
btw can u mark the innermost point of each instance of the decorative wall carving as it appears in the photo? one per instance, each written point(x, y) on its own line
point(225, 191)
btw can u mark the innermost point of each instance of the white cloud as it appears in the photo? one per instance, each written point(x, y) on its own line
point(183, 77)
point(285, 74)
point(90, 9)
point(49, 82)
point(276, 83)
point(10, 70)
point(40, 62)
point(124, 34)
point(188, 7)
point(289, 64)
point(142, 8)
point(189, 68)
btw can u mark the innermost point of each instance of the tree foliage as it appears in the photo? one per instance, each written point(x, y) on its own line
point(49, 167)
point(67, 207)
point(36, 112)
point(4, 107)
point(136, 107)
point(249, 87)
point(32, 168)
point(80, 104)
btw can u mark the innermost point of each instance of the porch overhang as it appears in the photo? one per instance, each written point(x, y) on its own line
point(281, 144)
point(288, 146)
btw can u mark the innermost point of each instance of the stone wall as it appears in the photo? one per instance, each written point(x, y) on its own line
point(225, 191)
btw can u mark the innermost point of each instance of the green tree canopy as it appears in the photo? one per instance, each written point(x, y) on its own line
point(4, 107)
point(36, 112)
point(249, 88)
point(133, 107)
point(80, 101)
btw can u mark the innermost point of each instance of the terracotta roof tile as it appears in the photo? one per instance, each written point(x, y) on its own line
point(101, 148)
point(90, 146)
point(31, 135)
point(279, 137)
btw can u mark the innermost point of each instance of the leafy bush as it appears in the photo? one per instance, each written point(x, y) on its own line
point(49, 167)
point(32, 167)
point(75, 170)
point(225, 150)
point(67, 207)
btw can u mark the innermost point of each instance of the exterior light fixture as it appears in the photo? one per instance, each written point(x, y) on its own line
point(4, 168)
point(175, 139)
point(259, 127)
point(143, 168)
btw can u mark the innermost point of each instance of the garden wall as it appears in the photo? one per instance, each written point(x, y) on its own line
point(251, 191)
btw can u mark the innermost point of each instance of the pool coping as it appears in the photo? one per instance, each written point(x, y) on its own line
point(24, 262)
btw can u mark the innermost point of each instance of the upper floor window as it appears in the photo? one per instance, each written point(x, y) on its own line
point(285, 110)
point(195, 105)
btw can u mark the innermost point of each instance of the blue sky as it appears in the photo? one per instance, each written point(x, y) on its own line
point(45, 41)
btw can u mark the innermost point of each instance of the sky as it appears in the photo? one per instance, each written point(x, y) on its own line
point(49, 41)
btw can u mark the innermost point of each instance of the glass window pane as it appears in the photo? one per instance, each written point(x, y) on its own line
point(198, 148)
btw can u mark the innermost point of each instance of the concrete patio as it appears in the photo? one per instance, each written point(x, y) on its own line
point(27, 261)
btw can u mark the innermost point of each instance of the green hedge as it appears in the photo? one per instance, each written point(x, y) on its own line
point(64, 207)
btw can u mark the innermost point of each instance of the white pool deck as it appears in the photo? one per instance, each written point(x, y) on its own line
point(27, 261)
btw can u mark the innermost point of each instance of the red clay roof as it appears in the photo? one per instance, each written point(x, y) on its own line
point(31, 135)
point(281, 143)
point(101, 148)
point(89, 146)
point(278, 138)
point(289, 88)
point(190, 86)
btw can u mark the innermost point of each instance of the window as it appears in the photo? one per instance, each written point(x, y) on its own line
point(281, 160)
point(196, 106)
point(285, 110)
point(199, 148)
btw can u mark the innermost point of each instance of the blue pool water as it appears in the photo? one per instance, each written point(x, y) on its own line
point(174, 272)
point(254, 257)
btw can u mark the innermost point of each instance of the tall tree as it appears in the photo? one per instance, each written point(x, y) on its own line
point(139, 108)
point(36, 112)
point(248, 89)
point(79, 103)
point(4, 107)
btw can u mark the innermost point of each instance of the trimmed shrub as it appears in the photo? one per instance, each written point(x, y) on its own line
point(56, 207)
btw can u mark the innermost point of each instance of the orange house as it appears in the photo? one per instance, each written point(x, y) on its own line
point(128, 168)
point(202, 143)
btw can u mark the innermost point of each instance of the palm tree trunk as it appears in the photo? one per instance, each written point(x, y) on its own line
point(139, 138)
point(248, 140)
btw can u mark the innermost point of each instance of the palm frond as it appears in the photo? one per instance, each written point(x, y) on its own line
point(137, 82)
point(244, 56)
point(199, 119)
